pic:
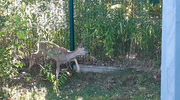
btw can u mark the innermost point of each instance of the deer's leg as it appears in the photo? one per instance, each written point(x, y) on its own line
point(57, 69)
point(31, 63)
point(33, 59)
point(77, 66)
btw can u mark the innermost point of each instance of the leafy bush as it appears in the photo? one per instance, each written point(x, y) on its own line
point(10, 44)
point(63, 76)
point(23, 23)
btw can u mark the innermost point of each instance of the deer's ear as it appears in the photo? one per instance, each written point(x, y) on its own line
point(80, 45)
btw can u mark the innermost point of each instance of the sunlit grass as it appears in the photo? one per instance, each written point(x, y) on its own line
point(20, 93)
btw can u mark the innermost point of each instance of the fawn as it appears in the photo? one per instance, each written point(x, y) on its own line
point(61, 55)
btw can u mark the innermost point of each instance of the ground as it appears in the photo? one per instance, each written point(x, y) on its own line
point(127, 84)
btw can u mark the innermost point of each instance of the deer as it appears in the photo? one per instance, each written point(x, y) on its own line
point(61, 55)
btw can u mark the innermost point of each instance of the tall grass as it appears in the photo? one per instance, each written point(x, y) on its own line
point(112, 28)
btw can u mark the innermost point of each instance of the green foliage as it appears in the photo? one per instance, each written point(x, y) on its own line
point(13, 32)
point(20, 29)
point(63, 76)
point(47, 72)
point(116, 28)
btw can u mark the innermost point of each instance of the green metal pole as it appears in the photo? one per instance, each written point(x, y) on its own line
point(71, 11)
point(71, 15)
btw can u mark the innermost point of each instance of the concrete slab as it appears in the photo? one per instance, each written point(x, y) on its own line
point(99, 69)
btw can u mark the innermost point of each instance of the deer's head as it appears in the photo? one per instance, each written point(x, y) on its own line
point(82, 51)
